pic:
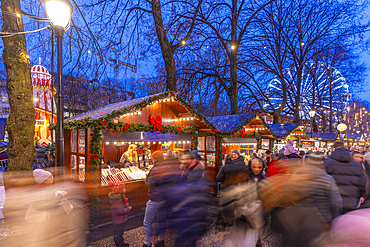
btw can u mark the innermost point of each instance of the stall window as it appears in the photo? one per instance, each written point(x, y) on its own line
point(78, 149)
point(248, 149)
point(182, 145)
point(265, 144)
point(207, 150)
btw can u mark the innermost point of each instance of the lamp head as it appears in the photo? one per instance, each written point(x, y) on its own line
point(312, 113)
point(58, 12)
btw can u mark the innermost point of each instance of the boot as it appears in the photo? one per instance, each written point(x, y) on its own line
point(159, 244)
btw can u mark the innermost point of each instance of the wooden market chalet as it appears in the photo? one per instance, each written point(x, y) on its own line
point(99, 143)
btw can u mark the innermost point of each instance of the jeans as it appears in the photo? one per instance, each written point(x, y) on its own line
point(152, 210)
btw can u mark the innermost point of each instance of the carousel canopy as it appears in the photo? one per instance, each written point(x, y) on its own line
point(39, 69)
point(230, 122)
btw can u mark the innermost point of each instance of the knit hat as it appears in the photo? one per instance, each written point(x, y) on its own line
point(41, 175)
point(315, 159)
point(236, 152)
point(116, 187)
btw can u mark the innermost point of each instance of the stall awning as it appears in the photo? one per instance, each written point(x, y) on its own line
point(229, 122)
point(325, 136)
point(285, 129)
point(119, 136)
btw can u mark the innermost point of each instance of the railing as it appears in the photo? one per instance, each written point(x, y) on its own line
point(3, 164)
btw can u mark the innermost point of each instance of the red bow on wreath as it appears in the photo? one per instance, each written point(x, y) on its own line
point(233, 134)
point(179, 129)
point(104, 122)
point(242, 131)
point(127, 126)
point(156, 122)
point(214, 131)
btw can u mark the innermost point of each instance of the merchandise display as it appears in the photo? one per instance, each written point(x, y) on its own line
point(121, 175)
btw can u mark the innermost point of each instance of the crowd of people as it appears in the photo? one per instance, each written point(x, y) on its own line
point(309, 199)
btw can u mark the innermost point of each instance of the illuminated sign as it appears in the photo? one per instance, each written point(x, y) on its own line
point(341, 127)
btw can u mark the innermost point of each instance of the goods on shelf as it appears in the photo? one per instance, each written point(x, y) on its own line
point(121, 175)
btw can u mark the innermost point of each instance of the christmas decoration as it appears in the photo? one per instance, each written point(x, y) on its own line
point(156, 122)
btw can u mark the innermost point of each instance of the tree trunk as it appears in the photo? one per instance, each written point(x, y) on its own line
point(233, 90)
point(21, 121)
point(276, 117)
point(166, 47)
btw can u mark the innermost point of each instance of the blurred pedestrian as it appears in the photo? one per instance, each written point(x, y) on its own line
point(119, 209)
point(348, 175)
point(231, 173)
point(189, 199)
point(157, 180)
point(323, 190)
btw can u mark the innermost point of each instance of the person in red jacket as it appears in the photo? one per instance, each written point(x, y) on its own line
point(120, 209)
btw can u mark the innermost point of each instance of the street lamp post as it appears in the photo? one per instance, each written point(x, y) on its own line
point(59, 14)
point(312, 115)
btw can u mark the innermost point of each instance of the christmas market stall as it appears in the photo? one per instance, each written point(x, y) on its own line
point(246, 133)
point(285, 131)
point(114, 144)
point(325, 138)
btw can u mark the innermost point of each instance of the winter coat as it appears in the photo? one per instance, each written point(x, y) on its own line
point(231, 173)
point(349, 176)
point(119, 208)
point(188, 202)
point(239, 161)
point(298, 224)
point(323, 193)
point(289, 149)
point(158, 179)
point(195, 171)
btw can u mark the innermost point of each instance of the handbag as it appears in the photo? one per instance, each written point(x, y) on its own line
point(35, 216)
